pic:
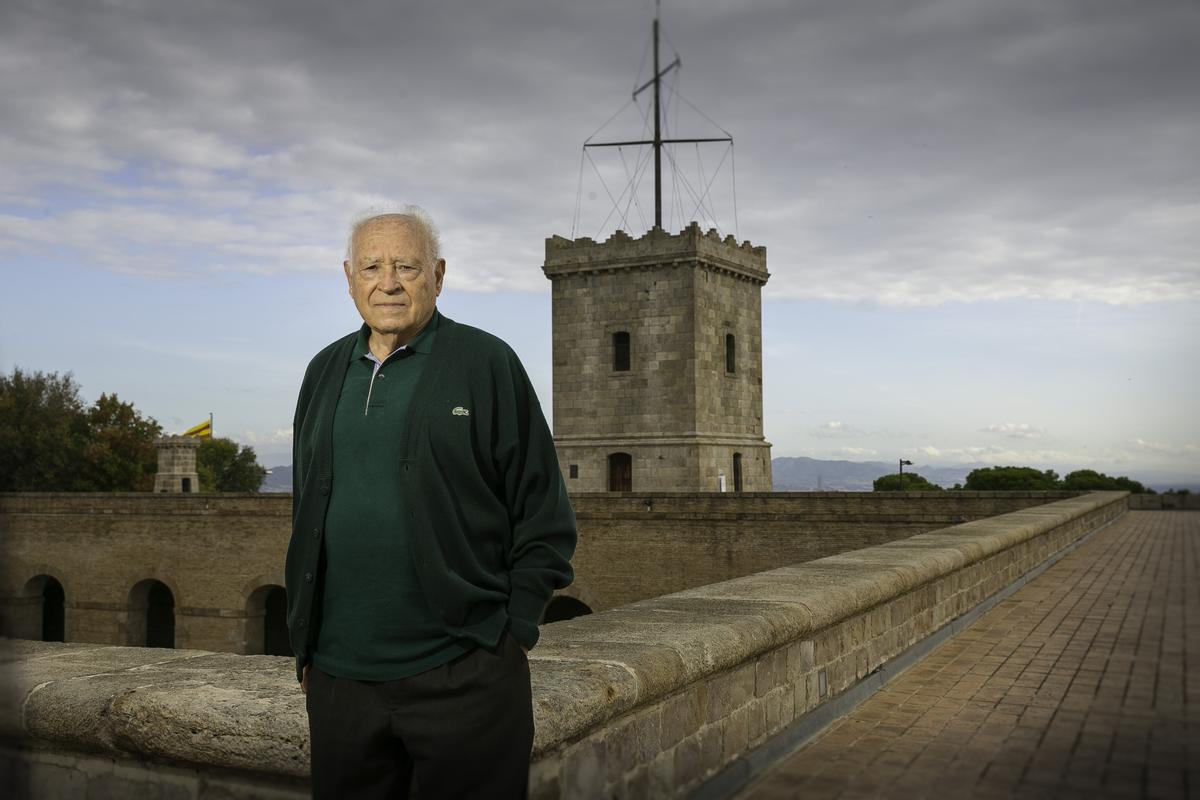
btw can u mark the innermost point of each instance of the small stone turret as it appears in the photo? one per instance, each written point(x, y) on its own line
point(177, 465)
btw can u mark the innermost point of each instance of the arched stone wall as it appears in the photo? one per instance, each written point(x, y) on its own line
point(264, 629)
point(21, 598)
point(563, 608)
point(579, 591)
point(151, 617)
point(24, 615)
point(213, 551)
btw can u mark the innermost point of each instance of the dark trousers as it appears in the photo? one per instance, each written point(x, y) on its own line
point(461, 730)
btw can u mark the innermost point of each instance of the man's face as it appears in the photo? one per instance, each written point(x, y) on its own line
point(393, 287)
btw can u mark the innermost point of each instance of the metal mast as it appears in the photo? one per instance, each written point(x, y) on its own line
point(657, 141)
point(657, 131)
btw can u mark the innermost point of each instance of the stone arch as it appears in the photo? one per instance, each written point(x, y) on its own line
point(266, 631)
point(563, 607)
point(42, 609)
point(150, 620)
point(577, 591)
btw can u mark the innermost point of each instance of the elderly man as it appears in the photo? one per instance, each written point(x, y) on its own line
point(430, 526)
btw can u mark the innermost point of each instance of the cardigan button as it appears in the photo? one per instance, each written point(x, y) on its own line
point(308, 577)
point(300, 622)
point(316, 533)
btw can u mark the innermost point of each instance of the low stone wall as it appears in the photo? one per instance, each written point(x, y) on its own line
point(219, 554)
point(696, 539)
point(1164, 502)
point(652, 699)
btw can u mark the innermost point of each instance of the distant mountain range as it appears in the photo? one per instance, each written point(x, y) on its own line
point(279, 479)
point(790, 475)
point(802, 474)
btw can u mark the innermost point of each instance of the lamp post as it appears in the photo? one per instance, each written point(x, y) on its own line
point(903, 462)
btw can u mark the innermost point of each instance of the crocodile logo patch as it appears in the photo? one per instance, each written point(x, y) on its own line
point(459, 411)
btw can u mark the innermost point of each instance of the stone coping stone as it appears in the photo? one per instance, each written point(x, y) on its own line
point(246, 713)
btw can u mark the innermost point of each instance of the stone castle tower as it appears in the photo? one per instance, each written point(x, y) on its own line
point(657, 347)
point(177, 465)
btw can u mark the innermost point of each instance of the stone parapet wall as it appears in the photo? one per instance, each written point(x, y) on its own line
point(1164, 502)
point(801, 505)
point(137, 503)
point(655, 247)
point(213, 551)
point(218, 552)
point(696, 539)
point(652, 699)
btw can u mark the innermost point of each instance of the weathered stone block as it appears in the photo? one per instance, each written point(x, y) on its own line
point(632, 742)
point(545, 779)
point(688, 768)
point(583, 770)
point(730, 691)
point(662, 774)
point(770, 671)
point(682, 716)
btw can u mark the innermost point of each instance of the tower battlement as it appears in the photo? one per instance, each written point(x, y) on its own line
point(656, 248)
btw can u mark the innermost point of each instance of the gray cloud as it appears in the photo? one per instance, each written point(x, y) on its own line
point(934, 151)
point(1016, 430)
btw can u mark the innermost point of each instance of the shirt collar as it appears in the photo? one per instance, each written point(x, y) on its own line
point(422, 343)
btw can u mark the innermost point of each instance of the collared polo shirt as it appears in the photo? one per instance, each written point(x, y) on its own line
point(375, 622)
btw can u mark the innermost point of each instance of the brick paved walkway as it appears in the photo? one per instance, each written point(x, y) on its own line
point(1085, 683)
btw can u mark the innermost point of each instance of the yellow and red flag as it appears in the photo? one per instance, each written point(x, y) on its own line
point(201, 431)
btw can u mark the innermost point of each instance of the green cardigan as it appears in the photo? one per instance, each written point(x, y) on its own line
point(493, 528)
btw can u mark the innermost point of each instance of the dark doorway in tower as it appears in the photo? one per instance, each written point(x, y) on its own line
point(737, 472)
point(620, 472)
point(564, 608)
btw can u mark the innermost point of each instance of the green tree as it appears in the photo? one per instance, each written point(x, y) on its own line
point(1091, 480)
point(223, 466)
point(1011, 479)
point(43, 432)
point(120, 455)
point(1130, 485)
point(913, 482)
point(50, 440)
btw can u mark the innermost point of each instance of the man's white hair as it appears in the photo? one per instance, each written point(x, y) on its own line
point(415, 215)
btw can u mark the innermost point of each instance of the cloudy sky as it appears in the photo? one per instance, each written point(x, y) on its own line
point(982, 218)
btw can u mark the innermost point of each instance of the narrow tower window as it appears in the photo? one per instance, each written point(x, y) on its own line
point(620, 341)
point(620, 472)
point(730, 353)
point(737, 472)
